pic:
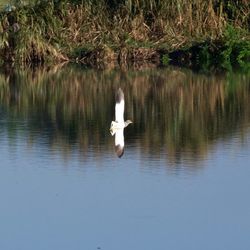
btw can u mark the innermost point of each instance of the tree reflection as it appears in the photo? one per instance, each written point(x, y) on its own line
point(176, 113)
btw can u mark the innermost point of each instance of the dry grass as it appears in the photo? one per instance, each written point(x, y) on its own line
point(62, 30)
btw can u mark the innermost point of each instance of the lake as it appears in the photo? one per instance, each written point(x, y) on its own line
point(182, 183)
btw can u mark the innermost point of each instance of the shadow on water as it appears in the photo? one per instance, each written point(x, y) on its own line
point(177, 114)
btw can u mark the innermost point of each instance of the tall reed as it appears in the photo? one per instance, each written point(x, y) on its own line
point(60, 30)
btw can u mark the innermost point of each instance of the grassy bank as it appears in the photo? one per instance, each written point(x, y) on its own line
point(104, 31)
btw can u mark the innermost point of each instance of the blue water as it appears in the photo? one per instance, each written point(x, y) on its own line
point(64, 197)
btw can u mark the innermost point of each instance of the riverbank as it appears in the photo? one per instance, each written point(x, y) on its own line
point(190, 33)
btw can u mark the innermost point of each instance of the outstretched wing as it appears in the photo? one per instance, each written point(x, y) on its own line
point(119, 106)
point(119, 143)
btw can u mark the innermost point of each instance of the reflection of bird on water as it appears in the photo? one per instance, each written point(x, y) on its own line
point(117, 126)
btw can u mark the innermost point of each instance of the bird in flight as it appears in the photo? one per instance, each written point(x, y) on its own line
point(117, 126)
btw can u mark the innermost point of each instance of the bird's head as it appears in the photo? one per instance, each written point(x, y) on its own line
point(128, 122)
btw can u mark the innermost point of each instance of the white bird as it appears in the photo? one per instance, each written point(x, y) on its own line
point(117, 126)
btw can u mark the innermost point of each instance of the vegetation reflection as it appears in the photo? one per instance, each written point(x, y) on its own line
point(176, 113)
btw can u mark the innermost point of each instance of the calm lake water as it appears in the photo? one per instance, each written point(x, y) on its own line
point(182, 183)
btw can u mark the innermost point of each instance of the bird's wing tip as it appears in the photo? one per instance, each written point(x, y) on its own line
point(119, 96)
point(119, 150)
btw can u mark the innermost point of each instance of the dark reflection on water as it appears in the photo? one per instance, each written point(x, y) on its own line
point(177, 115)
point(182, 183)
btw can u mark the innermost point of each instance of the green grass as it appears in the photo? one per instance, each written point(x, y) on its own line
point(3, 3)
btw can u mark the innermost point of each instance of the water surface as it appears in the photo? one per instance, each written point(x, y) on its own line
point(182, 183)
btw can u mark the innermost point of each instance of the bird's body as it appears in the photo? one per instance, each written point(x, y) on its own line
point(117, 126)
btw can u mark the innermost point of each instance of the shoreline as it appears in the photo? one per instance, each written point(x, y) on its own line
point(92, 34)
